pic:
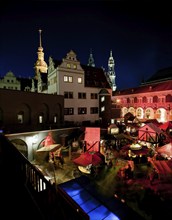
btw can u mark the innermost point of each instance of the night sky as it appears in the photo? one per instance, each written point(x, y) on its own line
point(137, 32)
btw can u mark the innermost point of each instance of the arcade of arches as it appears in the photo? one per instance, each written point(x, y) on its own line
point(160, 114)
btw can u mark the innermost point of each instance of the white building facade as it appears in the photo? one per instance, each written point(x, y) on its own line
point(9, 81)
point(81, 98)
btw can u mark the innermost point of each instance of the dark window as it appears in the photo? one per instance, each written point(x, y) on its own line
point(68, 111)
point(94, 95)
point(93, 110)
point(68, 95)
point(82, 111)
point(81, 95)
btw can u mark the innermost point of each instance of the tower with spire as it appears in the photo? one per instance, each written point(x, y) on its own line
point(91, 59)
point(40, 65)
point(111, 72)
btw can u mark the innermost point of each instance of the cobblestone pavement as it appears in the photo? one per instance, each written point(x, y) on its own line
point(138, 193)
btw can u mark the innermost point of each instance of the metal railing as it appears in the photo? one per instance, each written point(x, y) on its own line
point(52, 203)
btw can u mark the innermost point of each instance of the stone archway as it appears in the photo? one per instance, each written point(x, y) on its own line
point(161, 115)
point(21, 146)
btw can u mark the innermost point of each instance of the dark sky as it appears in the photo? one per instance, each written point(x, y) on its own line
point(137, 32)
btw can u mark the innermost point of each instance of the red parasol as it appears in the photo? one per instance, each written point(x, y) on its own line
point(87, 158)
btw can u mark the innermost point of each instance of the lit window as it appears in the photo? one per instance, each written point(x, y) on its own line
point(159, 114)
point(40, 119)
point(147, 113)
point(20, 118)
point(55, 119)
point(65, 79)
point(68, 65)
point(102, 99)
point(112, 121)
point(70, 79)
point(79, 80)
point(74, 66)
point(102, 108)
point(139, 113)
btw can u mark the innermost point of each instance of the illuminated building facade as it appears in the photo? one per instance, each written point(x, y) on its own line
point(81, 85)
point(10, 81)
point(87, 89)
point(151, 100)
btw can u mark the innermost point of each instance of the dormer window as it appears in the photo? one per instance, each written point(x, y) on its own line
point(74, 66)
point(68, 65)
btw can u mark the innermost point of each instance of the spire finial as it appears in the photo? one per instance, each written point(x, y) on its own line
point(111, 52)
point(40, 41)
point(91, 59)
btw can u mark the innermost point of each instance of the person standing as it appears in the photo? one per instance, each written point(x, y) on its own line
point(48, 140)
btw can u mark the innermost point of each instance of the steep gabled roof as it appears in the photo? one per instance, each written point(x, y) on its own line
point(154, 87)
point(95, 77)
point(161, 75)
point(153, 121)
point(160, 81)
point(153, 128)
point(57, 63)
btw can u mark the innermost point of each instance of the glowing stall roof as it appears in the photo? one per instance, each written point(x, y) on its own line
point(83, 193)
point(87, 202)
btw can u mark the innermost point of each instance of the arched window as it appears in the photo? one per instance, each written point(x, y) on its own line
point(20, 117)
point(147, 113)
point(155, 99)
point(135, 99)
point(139, 113)
point(55, 118)
point(40, 118)
point(169, 98)
point(128, 100)
point(144, 99)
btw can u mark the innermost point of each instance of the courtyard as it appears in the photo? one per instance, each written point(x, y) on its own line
point(148, 197)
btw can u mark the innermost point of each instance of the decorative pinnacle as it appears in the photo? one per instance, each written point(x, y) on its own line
point(40, 41)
